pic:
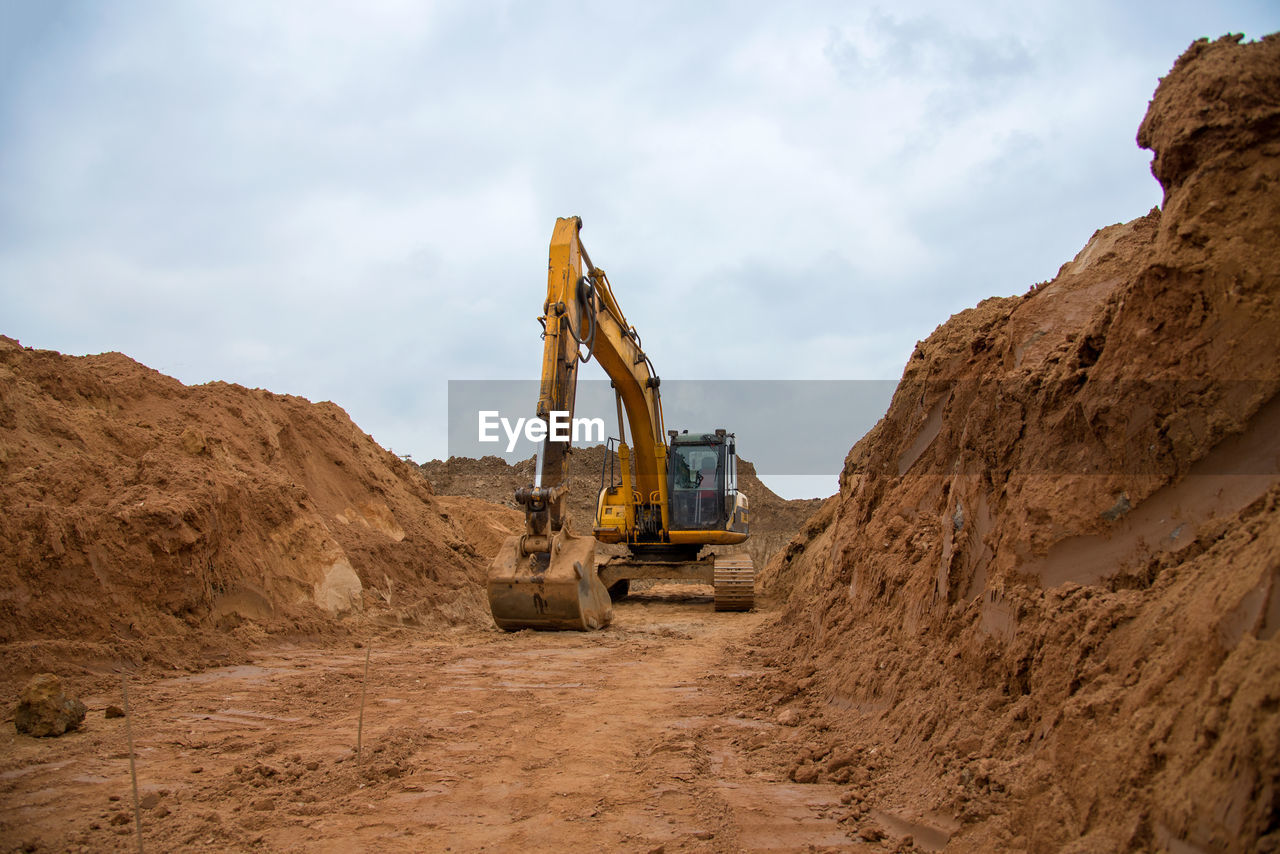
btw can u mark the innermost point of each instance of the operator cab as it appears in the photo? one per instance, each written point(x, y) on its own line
point(702, 482)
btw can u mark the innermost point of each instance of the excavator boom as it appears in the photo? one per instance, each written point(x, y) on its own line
point(548, 577)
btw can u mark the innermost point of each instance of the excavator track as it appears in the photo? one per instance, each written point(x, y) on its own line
point(734, 582)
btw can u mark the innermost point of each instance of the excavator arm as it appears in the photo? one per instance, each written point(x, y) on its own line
point(581, 319)
point(548, 577)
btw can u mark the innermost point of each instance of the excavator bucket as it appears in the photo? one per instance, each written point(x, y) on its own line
point(555, 589)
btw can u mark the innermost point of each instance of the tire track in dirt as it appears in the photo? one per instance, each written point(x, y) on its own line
point(631, 739)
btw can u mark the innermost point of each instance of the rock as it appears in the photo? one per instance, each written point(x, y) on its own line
point(869, 833)
point(263, 804)
point(45, 710)
point(192, 441)
point(149, 801)
point(812, 752)
point(843, 759)
point(788, 717)
point(113, 712)
point(805, 773)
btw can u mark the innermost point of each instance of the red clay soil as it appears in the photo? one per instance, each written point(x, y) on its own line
point(633, 739)
point(1049, 589)
point(148, 521)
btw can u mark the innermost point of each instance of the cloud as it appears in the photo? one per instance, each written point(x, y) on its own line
point(885, 47)
point(353, 202)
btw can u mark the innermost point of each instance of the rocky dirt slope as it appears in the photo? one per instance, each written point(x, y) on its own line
point(1047, 596)
point(774, 520)
point(143, 518)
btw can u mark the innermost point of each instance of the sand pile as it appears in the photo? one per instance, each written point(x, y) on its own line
point(143, 518)
point(774, 520)
point(1049, 590)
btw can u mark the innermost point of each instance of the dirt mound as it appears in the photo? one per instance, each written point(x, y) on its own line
point(147, 519)
point(1048, 593)
point(774, 520)
point(493, 479)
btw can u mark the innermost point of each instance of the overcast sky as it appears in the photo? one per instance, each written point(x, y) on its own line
point(352, 201)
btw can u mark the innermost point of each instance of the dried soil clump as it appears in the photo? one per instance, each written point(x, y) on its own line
point(1050, 585)
point(148, 520)
point(44, 708)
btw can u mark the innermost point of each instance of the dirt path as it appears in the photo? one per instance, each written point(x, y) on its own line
point(634, 739)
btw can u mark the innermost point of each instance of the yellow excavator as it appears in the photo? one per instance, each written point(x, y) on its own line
point(681, 497)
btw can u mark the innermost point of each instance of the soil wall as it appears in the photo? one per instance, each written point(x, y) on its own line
point(1050, 586)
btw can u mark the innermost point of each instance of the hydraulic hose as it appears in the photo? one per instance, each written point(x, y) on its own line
point(589, 302)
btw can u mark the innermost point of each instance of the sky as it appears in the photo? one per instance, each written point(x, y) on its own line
point(352, 201)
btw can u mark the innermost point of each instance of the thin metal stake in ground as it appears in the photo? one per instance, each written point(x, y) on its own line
point(133, 771)
point(360, 726)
